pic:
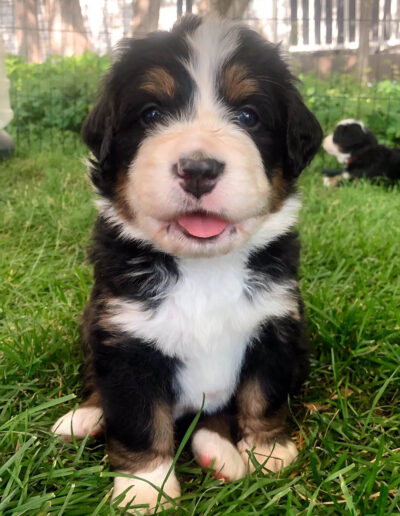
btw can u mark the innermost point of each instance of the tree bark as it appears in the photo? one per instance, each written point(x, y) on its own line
point(365, 25)
point(237, 9)
point(234, 9)
point(202, 7)
point(145, 16)
point(27, 32)
point(68, 35)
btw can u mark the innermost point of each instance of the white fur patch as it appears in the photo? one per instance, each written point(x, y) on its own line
point(207, 318)
point(272, 456)
point(207, 321)
point(330, 182)
point(333, 181)
point(276, 224)
point(127, 230)
point(349, 121)
point(140, 492)
point(212, 45)
point(226, 460)
point(80, 422)
point(331, 148)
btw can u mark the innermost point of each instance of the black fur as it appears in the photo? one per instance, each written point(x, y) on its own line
point(376, 161)
point(279, 260)
point(132, 377)
point(131, 269)
point(278, 358)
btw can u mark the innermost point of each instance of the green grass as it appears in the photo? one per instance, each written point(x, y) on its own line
point(346, 422)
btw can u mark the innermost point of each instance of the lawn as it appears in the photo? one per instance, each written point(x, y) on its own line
point(346, 422)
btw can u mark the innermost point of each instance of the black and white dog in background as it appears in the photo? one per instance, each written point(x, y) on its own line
point(357, 148)
point(198, 137)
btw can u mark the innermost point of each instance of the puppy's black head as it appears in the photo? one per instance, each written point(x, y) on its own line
point(349, 137)
point(198, 135)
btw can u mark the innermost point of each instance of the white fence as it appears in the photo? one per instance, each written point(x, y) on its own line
point(334, 24)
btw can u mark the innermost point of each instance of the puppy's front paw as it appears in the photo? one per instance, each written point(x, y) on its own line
point(210, 449)
point(139, 491)
point(80, 422)
point(272, 456)
point(331, 182)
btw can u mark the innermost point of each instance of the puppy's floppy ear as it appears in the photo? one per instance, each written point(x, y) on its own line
point(304, 135)
point(97, 133)
point(97, 130)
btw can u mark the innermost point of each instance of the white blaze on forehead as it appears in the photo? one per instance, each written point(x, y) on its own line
point(350, 121)
point(212, 44)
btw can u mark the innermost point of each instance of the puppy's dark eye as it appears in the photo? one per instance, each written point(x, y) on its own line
point(247, 118)
point(151, 116)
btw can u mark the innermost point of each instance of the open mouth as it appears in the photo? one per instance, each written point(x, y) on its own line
point(202, 225)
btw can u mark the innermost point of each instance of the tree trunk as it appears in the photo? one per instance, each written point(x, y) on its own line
point(68, 35)
point(219, 6)
point(234, 9)
point(237, 9)
point(145, 16)
point(365, 25)
point(202, 7)
point(27, 31)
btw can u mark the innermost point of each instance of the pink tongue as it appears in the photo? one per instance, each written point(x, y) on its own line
point(202, 226)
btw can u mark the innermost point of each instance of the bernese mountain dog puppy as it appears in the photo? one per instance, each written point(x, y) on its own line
point(356, 146)
point(197, 139)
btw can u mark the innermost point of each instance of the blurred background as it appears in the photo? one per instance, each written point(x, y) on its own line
point(346, 52)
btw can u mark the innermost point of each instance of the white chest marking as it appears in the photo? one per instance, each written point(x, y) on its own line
point(206, 321)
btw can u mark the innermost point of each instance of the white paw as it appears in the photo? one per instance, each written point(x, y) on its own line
point(80, 422)
point(271, 456)
point(212, 450)
point(140, 492)
point(330, 182)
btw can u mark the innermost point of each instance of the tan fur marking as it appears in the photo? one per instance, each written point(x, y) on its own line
point(121, 202)
point(296, 315)
point(162, 447)
point(238, 85)
point(93, 400)
point(122, 459)
point(158, 81)
point(279, 191)
point(254, 426)
point(164, 430)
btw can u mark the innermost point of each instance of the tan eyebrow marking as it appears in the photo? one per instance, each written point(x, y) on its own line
point(238, 84)
point(158, 81)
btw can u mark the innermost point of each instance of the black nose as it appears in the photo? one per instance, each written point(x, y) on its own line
point(199, 175)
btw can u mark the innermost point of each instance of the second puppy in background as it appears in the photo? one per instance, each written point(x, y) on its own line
point(357, 148)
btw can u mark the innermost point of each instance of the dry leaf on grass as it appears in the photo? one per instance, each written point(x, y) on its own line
point(314, 406)
point(345, 393)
